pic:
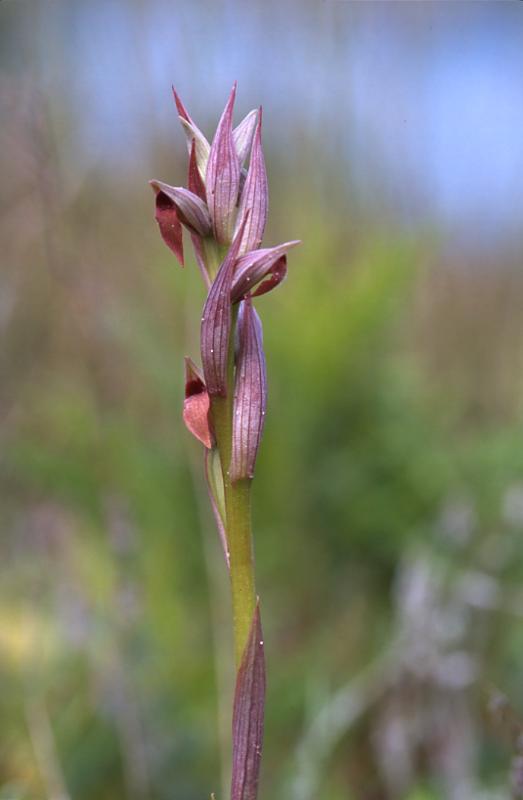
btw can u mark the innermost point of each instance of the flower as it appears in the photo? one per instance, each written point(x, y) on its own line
point(221, 197)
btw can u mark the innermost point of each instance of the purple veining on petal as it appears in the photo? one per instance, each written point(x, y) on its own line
point(216, 324)
point(243, 134)
point(250, 393)
point(254, 196)
point(248, 716)
point(222, 178)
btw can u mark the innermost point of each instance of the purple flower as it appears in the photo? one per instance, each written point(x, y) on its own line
point(223, 197)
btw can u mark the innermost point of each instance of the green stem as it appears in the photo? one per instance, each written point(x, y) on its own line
point(238, 513)
point(239, 537)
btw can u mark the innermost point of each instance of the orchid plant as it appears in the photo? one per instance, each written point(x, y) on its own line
point(224, 209)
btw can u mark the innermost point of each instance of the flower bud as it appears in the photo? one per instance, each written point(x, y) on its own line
point(250, 393)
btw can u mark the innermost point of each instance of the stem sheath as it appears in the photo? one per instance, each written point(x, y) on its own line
point(238, 513)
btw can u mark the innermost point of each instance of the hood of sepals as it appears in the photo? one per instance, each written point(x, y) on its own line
point(242, 135)
point(196, 406)
point(250, 393)
point(216, 324)
point(256, 265)
point(222, 179)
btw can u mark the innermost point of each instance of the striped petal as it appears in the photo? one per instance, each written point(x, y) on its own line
point(222, 180)
point(216, 324)
point(243, 134)
point(254, 196)
point(250, 394)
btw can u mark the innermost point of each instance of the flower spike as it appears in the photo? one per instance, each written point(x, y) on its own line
point(224, 207)
point(216, 324)
point(222, 179)
point(250, 394)
point(254, 196)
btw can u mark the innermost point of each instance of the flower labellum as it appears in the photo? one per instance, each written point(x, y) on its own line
point(216, 323)
point(250, 394)
point(222, 179)
point(248, 714)
point(169, 223)
point(196, 405)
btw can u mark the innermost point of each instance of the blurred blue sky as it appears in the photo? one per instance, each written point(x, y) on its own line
point(420, 103)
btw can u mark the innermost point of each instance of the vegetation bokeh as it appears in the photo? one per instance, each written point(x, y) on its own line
point(388, 500)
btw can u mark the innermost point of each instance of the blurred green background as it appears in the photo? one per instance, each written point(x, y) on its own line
point(388, 501)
